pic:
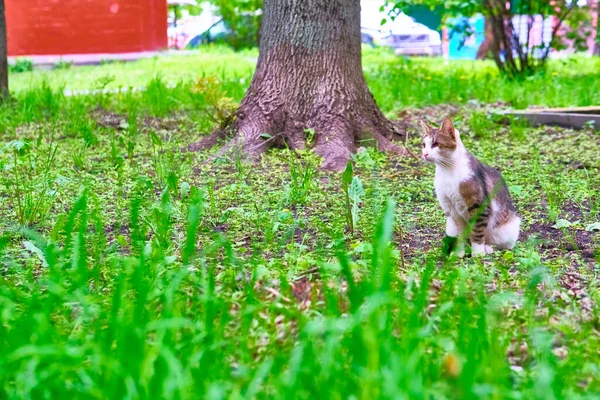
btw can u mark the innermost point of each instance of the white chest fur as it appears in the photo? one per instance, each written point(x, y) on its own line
point(447, 187)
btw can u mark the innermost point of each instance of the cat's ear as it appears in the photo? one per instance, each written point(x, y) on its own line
point(447, 128)
point(426, 129)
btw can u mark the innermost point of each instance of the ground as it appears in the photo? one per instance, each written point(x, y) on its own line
point(108, 290)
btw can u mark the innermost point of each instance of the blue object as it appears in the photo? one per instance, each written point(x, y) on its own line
point(465, 35)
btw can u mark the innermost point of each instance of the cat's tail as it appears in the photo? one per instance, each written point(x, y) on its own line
point(505, 237)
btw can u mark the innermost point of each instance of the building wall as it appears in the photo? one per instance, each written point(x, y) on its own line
point(56, 27)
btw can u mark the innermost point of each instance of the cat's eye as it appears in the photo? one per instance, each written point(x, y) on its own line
point(434, 145)
point(422, 144)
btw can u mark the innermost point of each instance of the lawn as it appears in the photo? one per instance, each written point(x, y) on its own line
point(131, 269)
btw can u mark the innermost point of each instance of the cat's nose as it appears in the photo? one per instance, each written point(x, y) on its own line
point(425, 155)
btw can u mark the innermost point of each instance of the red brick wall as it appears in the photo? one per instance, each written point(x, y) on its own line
point(56, 27)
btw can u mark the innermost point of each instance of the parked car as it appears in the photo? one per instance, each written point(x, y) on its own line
point(217, 33)
point(403, 34)
point(187, 28)
point(245, 35)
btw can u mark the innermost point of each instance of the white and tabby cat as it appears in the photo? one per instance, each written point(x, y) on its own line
point(474, 197)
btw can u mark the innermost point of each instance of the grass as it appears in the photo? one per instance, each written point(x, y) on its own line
point(114, 75)
point(131, 270)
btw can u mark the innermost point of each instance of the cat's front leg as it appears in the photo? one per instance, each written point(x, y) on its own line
point(455, 228)
point(478, 247)
point(452, 227)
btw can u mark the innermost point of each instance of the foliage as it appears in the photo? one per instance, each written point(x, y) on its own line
point(353, 192)
point(154, 273)
point(29, 180)
point(511, 48)
point(62, 64)
point(346, 182)
point(244, 18)
point(21, 65)
point(301, 179)
point(176, 10)
point(218, 106)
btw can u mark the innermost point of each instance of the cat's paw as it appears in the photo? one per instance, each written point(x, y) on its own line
point(478, 250)
point(489, 249)
point(459, 250)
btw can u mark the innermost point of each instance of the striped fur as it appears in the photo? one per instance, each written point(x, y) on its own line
point(474, 197)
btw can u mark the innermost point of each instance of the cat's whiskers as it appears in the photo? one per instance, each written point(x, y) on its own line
point(446, 162)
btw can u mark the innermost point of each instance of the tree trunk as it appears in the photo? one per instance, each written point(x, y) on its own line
point(3, 54)
point(594, 49)
point(488, 40)
point(309, 78)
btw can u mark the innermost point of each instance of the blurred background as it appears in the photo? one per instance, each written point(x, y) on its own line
point(88, 31)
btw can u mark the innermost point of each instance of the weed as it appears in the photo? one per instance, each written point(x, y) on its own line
point(21, 65)
point(353, 192)
point(62, 64)
point(28, 178)
point(301, 179)
point(481, 124)
point(213, 100)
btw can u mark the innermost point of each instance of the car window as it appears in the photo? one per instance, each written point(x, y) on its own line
point(218, 29)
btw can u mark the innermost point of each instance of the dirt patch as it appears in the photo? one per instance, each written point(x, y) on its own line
point(109, 119)
point(559, 241)
point(408, 119)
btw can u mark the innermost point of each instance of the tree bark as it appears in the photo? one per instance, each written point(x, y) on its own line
point(309, 78)
point(488, 40)
point(594, 49)
point(3, 54)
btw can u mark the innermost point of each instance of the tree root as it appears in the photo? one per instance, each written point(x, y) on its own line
point(336, 146)
point(334, 137)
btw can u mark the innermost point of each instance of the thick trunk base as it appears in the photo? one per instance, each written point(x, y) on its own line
point(309, 84)
point(334, 138)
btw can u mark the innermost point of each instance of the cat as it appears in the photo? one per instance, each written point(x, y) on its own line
point(473, 196)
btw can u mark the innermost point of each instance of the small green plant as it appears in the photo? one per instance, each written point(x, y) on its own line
point(301, 179)
point(99, 85)
point(116, 155)
point(160, 224)
point(518, 128)
point(214, 101)
point(353, 192)
point(87, 129)
point(166, 165)
point(30, 182)
point(158, 96)
point(481, 124)
point(62, 64)
point(310, 136)
point(240, 164)
point(80, 158)
point(21, 65)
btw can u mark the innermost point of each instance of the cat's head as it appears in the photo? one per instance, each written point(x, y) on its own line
point(438, 144)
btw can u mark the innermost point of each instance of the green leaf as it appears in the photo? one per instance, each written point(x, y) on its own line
point(121, 240)
point(347, 175)
point(184, 189)
point(37, 251)
point(593, 227)
point(265, 136)
point(562, 223)
point(156, 140)
point(355, 192)
point(516, 189)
